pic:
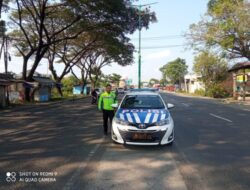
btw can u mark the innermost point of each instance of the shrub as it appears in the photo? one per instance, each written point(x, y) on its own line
point(180, 91)
point(217, 91)
point(200, 92)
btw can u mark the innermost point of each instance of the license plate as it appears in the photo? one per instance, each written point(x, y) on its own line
point(141, 136)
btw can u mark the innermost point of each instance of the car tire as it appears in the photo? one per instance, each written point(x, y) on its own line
point(114, 142)
point(171, 143)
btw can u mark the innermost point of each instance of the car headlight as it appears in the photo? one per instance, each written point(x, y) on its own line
point(162, 122)
point(121, 122)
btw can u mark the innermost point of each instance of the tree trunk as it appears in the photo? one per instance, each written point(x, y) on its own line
point(38, 58)
point(32, 93)
point(27, 94)
point(83, 81)
point(59, 89)
point(25, 63)
point(83, 86)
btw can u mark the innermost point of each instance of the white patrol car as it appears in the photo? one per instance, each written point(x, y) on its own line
point(142, 118)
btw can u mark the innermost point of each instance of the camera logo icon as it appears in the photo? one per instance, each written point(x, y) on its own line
point(11, 176)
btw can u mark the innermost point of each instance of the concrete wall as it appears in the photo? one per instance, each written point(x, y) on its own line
point(192, 83)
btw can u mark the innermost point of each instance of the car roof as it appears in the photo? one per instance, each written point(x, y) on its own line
point(143, 89)
point(142, 93)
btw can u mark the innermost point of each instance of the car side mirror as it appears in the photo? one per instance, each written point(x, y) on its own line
point(170, 106)
point(115, 106)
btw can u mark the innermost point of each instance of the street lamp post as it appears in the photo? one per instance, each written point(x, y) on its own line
point(139, 51)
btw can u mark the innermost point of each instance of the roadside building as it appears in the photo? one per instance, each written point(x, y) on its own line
point(5, 81)
point(192, 83)
point(16, 93)
point(77, 89)
point(38, 89)
point(241, 80)
point(125, 83)
point(42, 87)
point(9, 89)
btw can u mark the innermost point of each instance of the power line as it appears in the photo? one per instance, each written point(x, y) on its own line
point(161, 37)
point(161, 47)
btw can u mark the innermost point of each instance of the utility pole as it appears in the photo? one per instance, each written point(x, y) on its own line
point(139, 51)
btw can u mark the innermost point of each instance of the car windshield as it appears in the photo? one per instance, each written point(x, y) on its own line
point(142, 102)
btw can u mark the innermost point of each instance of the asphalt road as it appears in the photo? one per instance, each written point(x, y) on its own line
point(64, 145)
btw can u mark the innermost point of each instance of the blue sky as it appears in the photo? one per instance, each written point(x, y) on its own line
point(174, 18)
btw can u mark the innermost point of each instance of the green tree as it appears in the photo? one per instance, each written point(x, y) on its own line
point(48, 28)
point(163, 82)
point(39, 25)
point(68, 84)
point(153, 81)
point(115, 78)
point(212, 69)
point(36, 25)
point(70, 54)
point(103, 80)
point(224, 27)
point(175, 70)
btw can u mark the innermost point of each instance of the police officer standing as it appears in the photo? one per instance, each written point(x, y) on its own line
point(106, 100)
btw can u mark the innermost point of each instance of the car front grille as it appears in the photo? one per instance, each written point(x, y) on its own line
point(156, 135)
point(142, 126)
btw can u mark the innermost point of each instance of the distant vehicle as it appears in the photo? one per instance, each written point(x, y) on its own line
point(121, 90)
point(99, 91)
point(142, 118)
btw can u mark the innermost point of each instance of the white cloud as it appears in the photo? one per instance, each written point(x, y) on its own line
point(158, 55)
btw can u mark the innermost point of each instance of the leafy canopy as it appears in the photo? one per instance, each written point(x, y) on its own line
point(225, 27)
point(211, 68)
point(175, 70)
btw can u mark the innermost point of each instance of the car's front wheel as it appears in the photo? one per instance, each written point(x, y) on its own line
point(171, 143)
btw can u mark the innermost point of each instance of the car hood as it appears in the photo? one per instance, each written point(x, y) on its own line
point(146, 116)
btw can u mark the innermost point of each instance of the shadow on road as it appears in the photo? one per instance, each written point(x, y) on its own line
point(49, 140)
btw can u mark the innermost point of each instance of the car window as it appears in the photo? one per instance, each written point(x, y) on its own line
point(142, 102)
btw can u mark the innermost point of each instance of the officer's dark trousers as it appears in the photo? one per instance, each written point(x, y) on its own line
point(107, 114)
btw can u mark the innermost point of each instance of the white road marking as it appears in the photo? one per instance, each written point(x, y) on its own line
point(67, 160)
point(77, 172)
point(225, 119)
point(246, 109)
point(147, 118)
point(137, 119)
point(187, 105)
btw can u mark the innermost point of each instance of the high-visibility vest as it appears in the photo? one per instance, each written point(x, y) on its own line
point(106, 100)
